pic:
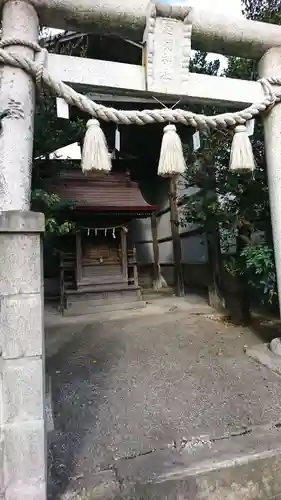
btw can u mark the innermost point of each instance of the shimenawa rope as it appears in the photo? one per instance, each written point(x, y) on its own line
point(172, 162)
point(135, 117)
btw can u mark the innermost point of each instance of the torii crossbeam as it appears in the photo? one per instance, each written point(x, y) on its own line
point(22, 436)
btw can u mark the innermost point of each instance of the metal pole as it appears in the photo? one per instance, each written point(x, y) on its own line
point(176, 239)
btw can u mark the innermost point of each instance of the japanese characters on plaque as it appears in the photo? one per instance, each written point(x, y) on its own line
point(167, 54)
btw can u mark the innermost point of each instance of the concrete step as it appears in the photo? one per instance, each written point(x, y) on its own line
point(241, 467)
point(108, 283)
point(80, 308)
point(105, 298)
point(110, 289)
point(151, 295)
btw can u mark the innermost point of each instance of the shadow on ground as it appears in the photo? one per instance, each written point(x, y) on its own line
point(266, 329)
point(78, 373)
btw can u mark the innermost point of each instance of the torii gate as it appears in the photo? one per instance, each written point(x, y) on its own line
point(165, 74)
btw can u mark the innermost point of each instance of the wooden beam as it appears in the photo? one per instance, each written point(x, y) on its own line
point(106, 77)
point(156, 266)
point(136, 276)
point(176, 240)
point(78, 258)
point(124, 254)
point(211, 30)
point(216, 300)
point(114, 98)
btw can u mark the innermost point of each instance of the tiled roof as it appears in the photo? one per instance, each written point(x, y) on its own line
point(99, 192)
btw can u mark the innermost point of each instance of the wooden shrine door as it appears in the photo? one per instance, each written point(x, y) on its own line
point(99, 259)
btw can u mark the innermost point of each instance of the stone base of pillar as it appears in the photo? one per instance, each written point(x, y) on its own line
point(22, 429)
point(264, 355)
point(275, 346)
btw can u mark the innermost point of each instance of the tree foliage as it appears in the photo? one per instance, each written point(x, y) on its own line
point(268, 11)
point(50, 134)
point(53, 207)
point(237, 200)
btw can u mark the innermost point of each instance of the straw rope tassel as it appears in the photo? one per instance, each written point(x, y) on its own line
point(241, 155)
point(171, 161)
point(95, 155)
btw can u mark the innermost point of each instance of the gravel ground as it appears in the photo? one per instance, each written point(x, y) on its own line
point(124, 387)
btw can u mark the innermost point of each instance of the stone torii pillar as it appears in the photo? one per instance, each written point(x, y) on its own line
point(22, 430)
point(270, 65)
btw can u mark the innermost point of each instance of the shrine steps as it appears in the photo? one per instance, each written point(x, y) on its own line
point(102, 299)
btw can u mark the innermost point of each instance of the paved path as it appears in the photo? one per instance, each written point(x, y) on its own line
point(122, 388)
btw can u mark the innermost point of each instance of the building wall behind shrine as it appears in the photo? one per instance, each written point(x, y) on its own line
point(193, 243)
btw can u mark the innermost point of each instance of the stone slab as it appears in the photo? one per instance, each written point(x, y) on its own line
point(14, 221)
point(256, 479)
point(245, 467)
point(201, 454)
point(167, 52)
point(20, 264)
point(1, 461)
point(22, 390)
point(21, 326)
point(263, 355)
point(26, 491)
point(82, 307)
point(24, 456)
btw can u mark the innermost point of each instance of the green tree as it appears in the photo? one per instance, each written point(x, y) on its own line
point(268, 11)
point(240, 204)
point(50, 134)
